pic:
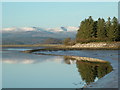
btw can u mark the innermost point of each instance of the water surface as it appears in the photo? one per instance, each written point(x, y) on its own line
point(22, 70)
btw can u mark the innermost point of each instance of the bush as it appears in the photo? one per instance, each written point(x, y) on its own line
point(68, 41)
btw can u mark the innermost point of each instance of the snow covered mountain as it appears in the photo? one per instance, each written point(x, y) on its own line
point(33, 35)
point(37, 29)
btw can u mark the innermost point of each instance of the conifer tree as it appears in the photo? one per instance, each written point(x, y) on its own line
point(113, 32)
point(118, 32)
point(86, 29)
point(101, 32)
point(80, 33)
point(108, 26)
point(90, 27)
point(115, 28)
point(95, 29)
point(100, 29)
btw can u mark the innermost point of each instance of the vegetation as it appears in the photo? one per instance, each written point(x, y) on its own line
point(90, 71)
point(52, 41)
point(89, 31)
point(98, 31)
point(68, 41)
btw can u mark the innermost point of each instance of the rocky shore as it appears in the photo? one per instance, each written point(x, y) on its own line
point(97, 45)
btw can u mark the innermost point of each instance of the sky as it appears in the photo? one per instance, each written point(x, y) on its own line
point(54, 14)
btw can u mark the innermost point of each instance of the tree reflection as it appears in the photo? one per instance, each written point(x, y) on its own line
point(67, 59)
point(89, 71)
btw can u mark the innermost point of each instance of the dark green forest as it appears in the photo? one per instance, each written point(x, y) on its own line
point(99, 30)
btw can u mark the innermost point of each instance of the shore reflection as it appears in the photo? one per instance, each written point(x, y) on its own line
point(88, 70)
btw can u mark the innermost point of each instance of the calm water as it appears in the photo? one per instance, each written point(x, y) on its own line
point(21, 70)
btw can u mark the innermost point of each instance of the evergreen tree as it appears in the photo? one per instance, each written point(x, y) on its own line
point(98, 30)
point(86, 29)
point(118, 32)
point(95, 29)
point(90, 27)
point(115, 28)
point(80, 33)
point(108, 26)
point(101, 32)
point(113, 32)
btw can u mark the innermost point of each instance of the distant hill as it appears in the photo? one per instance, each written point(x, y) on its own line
point(36, 35)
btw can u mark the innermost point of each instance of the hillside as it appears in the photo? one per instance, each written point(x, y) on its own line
point(36, 35)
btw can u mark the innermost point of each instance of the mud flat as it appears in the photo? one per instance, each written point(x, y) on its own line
point(108, 81)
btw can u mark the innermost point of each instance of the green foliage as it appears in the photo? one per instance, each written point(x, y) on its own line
point(86, 29)
point(98, 31)
point(68, 41)
point(90, 71)
point(52, 41)
point(108, 26)
point(101, 32)
point(113, 32)
point(95, 29)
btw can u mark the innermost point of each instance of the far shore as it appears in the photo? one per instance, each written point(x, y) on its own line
point(78, 46)
point(33, 45)
point(92, 45)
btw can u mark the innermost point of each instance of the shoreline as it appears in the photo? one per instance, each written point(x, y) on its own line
point(67, 48)
point(78, 58)
point(77, 46)
point(108, 81)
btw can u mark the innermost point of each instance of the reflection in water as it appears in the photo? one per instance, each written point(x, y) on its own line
point(13, 57)
point(38, 68)
point(89, 71)
point(69, 60)
point(23, 61)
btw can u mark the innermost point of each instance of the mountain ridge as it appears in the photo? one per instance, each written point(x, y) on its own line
point(24, 29)
point(36, 35)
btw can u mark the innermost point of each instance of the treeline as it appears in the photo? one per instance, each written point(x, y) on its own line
point(98, 31)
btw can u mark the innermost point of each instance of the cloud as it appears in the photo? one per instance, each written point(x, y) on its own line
point(27, 29)
point(14, 29)
point(64, 29)
point(8, 29)
point(24, 29)
point(30, 61)
point(54, 29)
point(24, 61)
point(70, 28)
